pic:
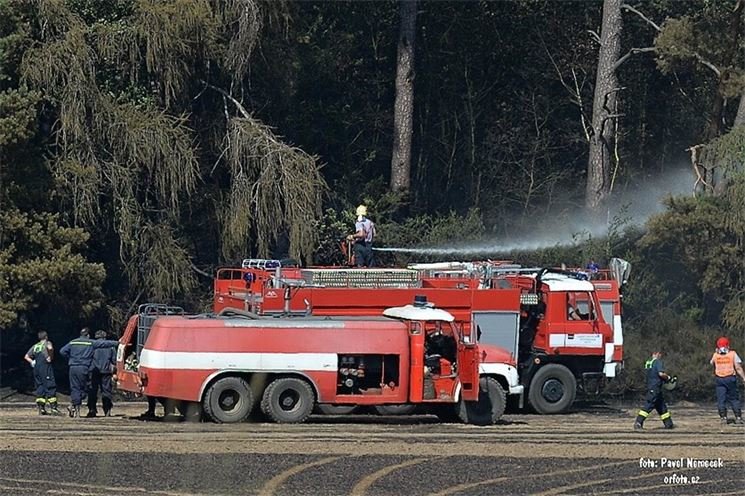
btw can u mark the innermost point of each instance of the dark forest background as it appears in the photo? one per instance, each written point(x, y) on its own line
point(145, 143)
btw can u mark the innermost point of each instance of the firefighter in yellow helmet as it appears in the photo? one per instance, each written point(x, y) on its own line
point(363, 238)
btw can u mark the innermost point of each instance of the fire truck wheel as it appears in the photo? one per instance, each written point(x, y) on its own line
point(228, 400)
point(489, 407)
point(406, 409)
point(552, 389)
point(326, 409)
point(288, 400)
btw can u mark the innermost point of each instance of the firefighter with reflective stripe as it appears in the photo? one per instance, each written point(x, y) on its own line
point(79, 354)
point(656, 376)
point(102, 367)
point(40, 358)
point(727, 366)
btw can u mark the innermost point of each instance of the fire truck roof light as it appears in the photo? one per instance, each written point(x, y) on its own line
point(529, 299)
point(260, 263)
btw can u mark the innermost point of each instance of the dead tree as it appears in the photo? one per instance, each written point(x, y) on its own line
point(704, 183)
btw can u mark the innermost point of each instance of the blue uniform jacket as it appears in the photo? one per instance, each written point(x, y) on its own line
point(104, 360)
point(654, 367)
point(79, 351)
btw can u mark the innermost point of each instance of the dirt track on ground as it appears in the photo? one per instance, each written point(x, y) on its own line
point(593, 451)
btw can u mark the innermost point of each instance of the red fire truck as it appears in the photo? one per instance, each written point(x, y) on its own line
point(227, 363)
point(561, 328)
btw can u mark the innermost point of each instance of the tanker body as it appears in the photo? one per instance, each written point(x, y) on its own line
point(227, 365)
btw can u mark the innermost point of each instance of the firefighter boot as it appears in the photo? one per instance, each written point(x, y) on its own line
point(667, 420)
point(722, 417)
point(640, 418)
point(55, 411)
point(42, 408)
point(738, 417)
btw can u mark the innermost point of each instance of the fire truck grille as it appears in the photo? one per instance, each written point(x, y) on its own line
point(362, 278)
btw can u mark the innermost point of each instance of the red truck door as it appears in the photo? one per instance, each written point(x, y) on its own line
point(468, 366)
point(581, 329)
point(126, 371)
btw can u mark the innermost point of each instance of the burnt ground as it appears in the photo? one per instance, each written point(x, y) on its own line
point(593, 451)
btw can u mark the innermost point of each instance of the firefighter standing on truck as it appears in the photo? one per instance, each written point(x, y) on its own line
point(79, 354)
point(727, 366)
point(102, 368)
point(363, 238)
point(40, 358)
point(656, 376)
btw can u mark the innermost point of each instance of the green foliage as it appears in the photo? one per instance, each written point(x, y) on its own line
point(17, 116)
point(727, 151)
point(166, 268)
point(176, 34)
point(92, 11)
point(704, 39)
point(690, 262)
point(276, 189)
point(42, 267)
point(332, 229)
point(14, 38)
point(675, 43)
point(122, 79)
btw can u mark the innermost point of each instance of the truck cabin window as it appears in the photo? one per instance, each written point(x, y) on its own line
point(440, 348)
point(579, 306)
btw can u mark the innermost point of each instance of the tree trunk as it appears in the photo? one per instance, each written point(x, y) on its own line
point(604, 117)
point(735, 29)
point(403, 112)
point(740, 117)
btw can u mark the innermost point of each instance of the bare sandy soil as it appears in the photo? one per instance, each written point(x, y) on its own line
point(594, 451)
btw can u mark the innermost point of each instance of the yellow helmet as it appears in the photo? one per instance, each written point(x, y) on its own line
point(361, 210)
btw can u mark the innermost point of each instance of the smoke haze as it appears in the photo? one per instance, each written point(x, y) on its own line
point(630, 208)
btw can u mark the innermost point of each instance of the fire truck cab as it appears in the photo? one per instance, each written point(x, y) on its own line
point(226, 364)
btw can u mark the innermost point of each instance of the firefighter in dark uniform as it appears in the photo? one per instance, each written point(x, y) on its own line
point(79, 354)
point(102, 367)
point(40, 357)
point(656, 377)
